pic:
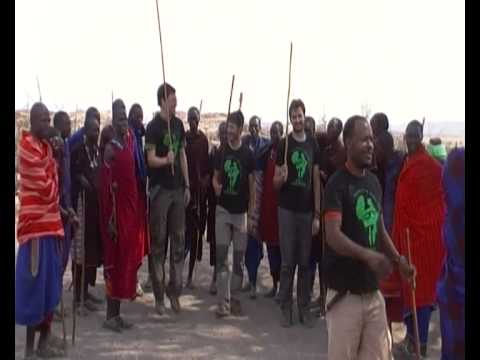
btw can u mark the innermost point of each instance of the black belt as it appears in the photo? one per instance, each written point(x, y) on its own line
point(340, 295)
point(337, 297)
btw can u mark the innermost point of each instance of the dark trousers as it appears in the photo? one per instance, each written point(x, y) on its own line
point(167, 211)
point(274, 261)
point(253, 257)
point(295, 231)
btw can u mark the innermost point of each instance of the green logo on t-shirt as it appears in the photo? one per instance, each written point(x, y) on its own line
point(175, 143)
point(232, 172)
point(300, 162)
point(367, 212)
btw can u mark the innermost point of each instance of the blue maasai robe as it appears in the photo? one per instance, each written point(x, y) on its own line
point(139, 153)
point(254, 251)
point(37, 297)
point(451, 286)
point(76, 138)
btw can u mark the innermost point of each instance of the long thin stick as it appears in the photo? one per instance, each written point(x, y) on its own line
point(222, 170)
point(63, 318)
point(230, 100)
point(323, 287)
point(199, 201)
point(414, 303)
point(74, 283)
point(82, 291)
point(39, 91)
point(240, 101)
point(74, 302)
point(288, 103)
point(164, 85)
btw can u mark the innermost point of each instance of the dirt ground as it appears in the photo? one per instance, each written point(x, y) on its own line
point(196, 333)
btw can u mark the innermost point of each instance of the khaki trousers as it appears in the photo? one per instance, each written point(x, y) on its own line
point(357, 328)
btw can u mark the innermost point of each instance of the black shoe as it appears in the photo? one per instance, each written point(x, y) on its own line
point(236, 307)
point(124, 324)
point(253, 292)
point(306, 318)
point(160, 308)
point(112, 324)
point(174, 302)
point(147, 286)
point(287, 318)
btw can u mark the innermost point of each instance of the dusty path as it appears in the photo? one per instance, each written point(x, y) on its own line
point(196, 333)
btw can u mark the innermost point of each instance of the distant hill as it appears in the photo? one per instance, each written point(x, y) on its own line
point(437, 129)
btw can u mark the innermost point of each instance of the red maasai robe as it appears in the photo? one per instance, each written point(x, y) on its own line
point(269, 205)
point(122, 257)
point(419, 206)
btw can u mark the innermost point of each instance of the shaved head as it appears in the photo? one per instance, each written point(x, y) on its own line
point(39, 120)
point(413, 136)
point(119, 117)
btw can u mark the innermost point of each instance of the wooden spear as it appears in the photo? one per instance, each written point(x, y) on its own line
point(164, 85)
point(414, 303)
point(230, 100)
point(39, 91)
point(228, 115)
point(288, 104)
point(199, 201)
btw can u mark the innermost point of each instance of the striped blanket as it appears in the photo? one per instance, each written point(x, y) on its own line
point(39, 213)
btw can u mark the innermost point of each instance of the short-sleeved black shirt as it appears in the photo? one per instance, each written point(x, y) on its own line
point(297, 193)
point(359, 200)
point(157, 135)
point(237, 165)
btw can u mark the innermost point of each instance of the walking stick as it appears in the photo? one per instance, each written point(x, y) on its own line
point(39, 91)
point(228, 115)
point(63, 319)
point(414, 303)
point(74, 284)
point(288, 101)
point(82, 290)
point(323, 288)
point(198, 207)
point(74, 305)
point(230, 100)
point(164, 85)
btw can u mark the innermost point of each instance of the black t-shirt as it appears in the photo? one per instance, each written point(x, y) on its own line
point(359, 200)
point(237, 165)
point(157, 135)
point(297, 193)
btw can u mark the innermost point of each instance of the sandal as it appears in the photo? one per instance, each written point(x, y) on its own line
point(94, 299)
point(48, 352)
point(56, 342)
point(236, 307)
point(90, 306)
point(124, 324)
point(222, 311)
point(113, 324)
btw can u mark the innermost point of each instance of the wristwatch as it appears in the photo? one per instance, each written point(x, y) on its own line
point(399, 259)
